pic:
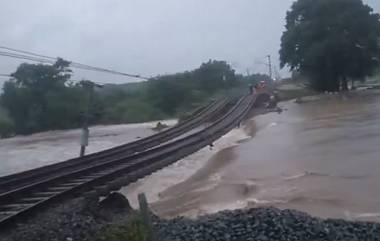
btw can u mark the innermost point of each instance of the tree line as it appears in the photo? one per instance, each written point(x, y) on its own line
point(40, 97)
point(331, 42)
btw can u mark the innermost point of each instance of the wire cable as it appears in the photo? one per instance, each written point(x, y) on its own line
point(27, 55)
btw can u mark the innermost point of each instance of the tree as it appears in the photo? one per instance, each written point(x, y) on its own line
point(331, 41)
point(176, 92)
point(214, 75)
point(168, 92)
point(41, 97)
point(7, 128)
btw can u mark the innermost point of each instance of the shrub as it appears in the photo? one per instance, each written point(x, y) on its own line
point(133, 230)
point(7, 128)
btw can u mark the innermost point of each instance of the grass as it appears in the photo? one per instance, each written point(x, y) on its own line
point(133, 230)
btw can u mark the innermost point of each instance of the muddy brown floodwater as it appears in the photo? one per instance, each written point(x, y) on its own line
point(321, 156)
point(21, 153)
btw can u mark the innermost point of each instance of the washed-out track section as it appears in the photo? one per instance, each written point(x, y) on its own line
point(199, 117)
point(105, 177)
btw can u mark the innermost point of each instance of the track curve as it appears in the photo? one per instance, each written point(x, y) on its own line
point(198, 118)
point(105, 177)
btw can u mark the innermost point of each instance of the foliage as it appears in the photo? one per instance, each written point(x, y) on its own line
point(25, 96)
point(130, 110)
point(41, 97)
point(134, 230)
point(7, 128)
point(174, 93)
point(331, 41)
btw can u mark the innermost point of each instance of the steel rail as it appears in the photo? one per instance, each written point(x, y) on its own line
point(109, 176)
point(23, 178)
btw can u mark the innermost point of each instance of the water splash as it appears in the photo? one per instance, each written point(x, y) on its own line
point(320, 174)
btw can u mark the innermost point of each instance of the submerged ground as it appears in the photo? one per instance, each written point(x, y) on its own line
point(320, 156)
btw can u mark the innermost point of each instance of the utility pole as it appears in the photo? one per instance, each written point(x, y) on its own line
point(270, 66)
point(224, 80)
point(89, 88)
point(277, 75)
point(84, 140)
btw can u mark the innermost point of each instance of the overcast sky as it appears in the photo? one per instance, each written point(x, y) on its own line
point(146, 37)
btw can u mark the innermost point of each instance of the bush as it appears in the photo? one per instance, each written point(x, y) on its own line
point(132, 111)
point(7, 128)
point(134, 230)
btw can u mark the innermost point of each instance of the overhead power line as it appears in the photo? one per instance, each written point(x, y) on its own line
point(5, 75)
point(27, 55)
point(27, 52)
point(74, 80)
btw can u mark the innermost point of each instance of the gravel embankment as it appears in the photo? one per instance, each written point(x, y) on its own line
point(265, 224)
point(77, 221)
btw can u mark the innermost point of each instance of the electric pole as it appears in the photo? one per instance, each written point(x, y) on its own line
point(270, 66)
point(89, 87)
point(277, 75)
point(224, 80)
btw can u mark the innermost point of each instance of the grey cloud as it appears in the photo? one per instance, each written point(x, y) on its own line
point(146, 37)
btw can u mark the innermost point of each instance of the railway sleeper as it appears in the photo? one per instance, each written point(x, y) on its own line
point(43, 194)
point(104, 176)
point(101, 173)
point(101, 189)
point(81, 180)
point(105, 189)
point(34, 199)
point(15, 207)
point(69, 184)
point(4, 214)
point(58, 188)
point(92, 176)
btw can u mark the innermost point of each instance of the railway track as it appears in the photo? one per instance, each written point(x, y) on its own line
point(200, 116)
point(102, 178)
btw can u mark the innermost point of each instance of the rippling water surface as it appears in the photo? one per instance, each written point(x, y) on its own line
point(321, 156)
point(25, 152)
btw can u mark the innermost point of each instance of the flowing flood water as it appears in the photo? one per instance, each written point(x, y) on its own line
point(322, 157)
point(26, 152)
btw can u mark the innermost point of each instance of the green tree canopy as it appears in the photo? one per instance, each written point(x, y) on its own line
point(169, 93)
point(331, 41)
point(214, 75)
point(41, 97)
